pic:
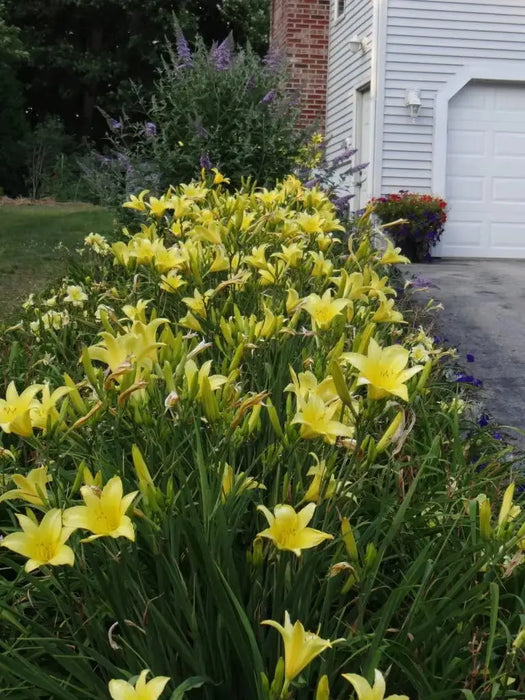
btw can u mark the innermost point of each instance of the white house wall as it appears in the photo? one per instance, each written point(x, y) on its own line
point(346, 72)
point(429, 43)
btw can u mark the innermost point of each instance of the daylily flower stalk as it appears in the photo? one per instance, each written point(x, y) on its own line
point(300, 647)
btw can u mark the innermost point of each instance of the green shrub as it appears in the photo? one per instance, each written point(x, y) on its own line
point(425, 219)
point(217, 107)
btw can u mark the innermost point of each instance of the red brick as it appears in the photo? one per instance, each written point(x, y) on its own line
point(300, 30)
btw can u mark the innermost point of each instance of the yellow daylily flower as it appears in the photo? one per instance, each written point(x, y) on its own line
point(104, 512)
point(137, 203)
point(197, 303)
point(316, 420)
point(159, 206)
point(391, 255)
point(137, 312)
point(15, 410)
point(305, 383)
point(75, 295)
point(291, 254)
point(42, 543)
point(310, 223)
point(31, 488)
point(288, 529)
point(319, 474)
point(258, 257)
point(323, 309)
point(171, 282)
point(508, 510)
point(321, 267)
point(383, 369)
point(292, 300)
point(387, 314)
point(377, 287)
point(219, 177)
point(191, 371)
point(44, 411)
point(98, 243)
point(300, 647)
point(142, 690)
point(367, 692)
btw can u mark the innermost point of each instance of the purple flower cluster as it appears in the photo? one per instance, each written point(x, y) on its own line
point(150, 129)
point(273, 61)
point(205, 162)
point(463, 378)
point(269, 97)
point(222, 54)
point(183, 51)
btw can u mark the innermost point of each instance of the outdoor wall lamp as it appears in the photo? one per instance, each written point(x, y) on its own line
point(413, 103)
point(357, 43)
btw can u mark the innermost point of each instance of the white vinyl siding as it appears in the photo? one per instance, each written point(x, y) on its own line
point(346, 73)
point(428, 43)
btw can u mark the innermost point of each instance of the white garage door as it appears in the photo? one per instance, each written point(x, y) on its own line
point(486, 172)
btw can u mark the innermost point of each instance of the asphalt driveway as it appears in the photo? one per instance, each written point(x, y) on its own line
point(484, 316)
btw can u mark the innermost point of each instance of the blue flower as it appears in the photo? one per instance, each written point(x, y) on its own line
point(483, 420)
point(463, 378)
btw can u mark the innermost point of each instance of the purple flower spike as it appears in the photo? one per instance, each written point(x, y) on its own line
point(183, 50)
point(150, 129)
point(205, 162)
point(222, 55)
point(273, 61)
point(269, 97)
point(115, 125)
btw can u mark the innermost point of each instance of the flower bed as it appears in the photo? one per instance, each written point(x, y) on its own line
point(229, 460)
point(424, 218)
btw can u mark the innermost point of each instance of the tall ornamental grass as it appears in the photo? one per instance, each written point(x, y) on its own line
point(231, 469)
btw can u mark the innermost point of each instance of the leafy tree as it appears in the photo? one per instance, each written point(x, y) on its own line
point(13, 125)
point(84, 53)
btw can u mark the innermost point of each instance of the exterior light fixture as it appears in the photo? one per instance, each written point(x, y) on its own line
point(357, 44)
point(413, 103)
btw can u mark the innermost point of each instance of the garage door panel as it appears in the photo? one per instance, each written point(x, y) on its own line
point(472, 188)
point(467, 233)
point(485, 185)
point(506, 235)
point(509, 143)
point(464, 142)
point(508, 190)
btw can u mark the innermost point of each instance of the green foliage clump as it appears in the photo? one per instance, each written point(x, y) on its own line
point(292, 449)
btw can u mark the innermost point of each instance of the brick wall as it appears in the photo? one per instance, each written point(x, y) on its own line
point(299, 29)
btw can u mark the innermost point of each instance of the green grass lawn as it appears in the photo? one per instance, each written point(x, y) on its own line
point(31, 256)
